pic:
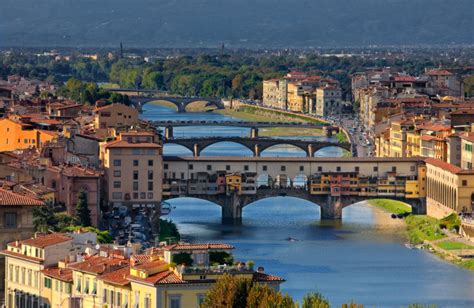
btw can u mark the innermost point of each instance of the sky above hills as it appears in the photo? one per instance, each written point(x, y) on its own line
point(242, 23)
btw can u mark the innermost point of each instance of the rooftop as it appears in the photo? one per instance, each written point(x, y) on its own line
point(64, 274)
point(198, 246)
point(99, 265)
point(43, 241)
point(9, 198)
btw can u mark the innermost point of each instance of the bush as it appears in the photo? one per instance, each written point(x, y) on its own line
point(220, 257)
point(183, 258)
point(314, 300)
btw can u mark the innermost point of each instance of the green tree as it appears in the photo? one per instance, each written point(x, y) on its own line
point(262, 296)
point(314, 300)
point(183, 258)
point(44, 218)
point(83, 213)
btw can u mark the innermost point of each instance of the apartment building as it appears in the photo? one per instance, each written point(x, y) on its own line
point(133, 169)
point(467, 156)
point(15, 135)
point(275, 93)
point(114, 116)
point(328, 101)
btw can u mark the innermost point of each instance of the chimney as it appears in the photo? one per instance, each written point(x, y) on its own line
point(260, 269)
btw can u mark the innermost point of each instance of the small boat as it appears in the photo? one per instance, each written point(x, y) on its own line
point(291, 239)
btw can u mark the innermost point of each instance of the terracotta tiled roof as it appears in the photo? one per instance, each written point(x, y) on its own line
point(21, 256)
point(125, 144)
point(262, 277)
point(438, 72)
point(11, 198)
point(469, 138)
point(165, 277)
point(198, 246)
point(434, 126)
point(64, 274)
point(76, 171)
point(404, 78)
point(443, 165)
point(117, 277)
point(43, 241)
point(99, 265)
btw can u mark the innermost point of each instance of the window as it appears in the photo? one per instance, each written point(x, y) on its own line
point(147, 303)
point(150, 174)
point(118, 301)
point(175, 302)
point(86, 286)
point(117, 184)
point(301, 168)
point(264, 168)
point(135, 162)
point(94, 287)
point(376, 169)
point(135, 185)
point(117, 195)
point(464, 182)
point(135, 195)
point(356, 169)
point(117, 162)
point(412, 168)
point(150, 162)
point(246, 168)
point(105, 296)
point(78, 285)
point(142, 195)
point(227, 167)
point(394, 169)
point(136, 151)
point(150, 195)
point(150, 185)
point(191, 167)
point(135, 174)
point(165, 166)
point(117, 173)
point(283, 168)
point(209, 167)
point(10, 220)
point(338, 168)
point(47, 282)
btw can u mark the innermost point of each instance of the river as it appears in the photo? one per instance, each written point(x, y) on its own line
point(361, 258)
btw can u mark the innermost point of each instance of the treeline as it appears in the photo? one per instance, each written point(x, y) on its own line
point(89, 92)
point(238, 76)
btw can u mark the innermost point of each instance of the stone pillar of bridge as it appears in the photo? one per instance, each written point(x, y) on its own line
point(310, 151)
point(232, 209)
point(169, 132)
point(254, 132)
point(256, 150)
point(196, 150)
point(332, 208)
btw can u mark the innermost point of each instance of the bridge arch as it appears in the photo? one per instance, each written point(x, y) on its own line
point(201, 105)
point(265, 151)
point(176, 149)
point(233, 143)
point(332, 150)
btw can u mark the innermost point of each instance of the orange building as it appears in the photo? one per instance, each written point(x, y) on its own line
point(16, 135)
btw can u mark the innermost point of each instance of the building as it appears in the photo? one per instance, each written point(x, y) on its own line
point(16, 216)
point(444, 83)
point(467, 156)
point(16, 135)
point(114, 116)
point(133, 169)
point(450, 189)
point(328, 101)
point(275, 93)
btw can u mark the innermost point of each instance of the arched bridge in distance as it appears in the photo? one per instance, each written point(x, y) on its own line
point(330, 182)
point(139, 97)
point(256, 145)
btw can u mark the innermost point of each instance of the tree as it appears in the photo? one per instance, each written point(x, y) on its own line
point(44, 218)
point(314, 300)
point(238, 292)
point(83, 213)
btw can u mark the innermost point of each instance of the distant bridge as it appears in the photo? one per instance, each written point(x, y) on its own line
point(332, 183)
point(138, 99)
point(256, 145)
point(168, 125)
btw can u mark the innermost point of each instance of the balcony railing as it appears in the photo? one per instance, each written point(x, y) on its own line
point(216, 270)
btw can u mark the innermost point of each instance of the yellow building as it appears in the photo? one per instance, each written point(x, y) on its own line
point(24, 262)
point(15, 135)
point(57, 287)
point(233, 182)
point(448, 188)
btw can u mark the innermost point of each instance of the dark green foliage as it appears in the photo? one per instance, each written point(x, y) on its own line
point(44, 217)
point(450, 222)
point(83, 213)
point(103, 237)
point(168, 231)
point(220, 257)
point(314, 300)
point(182, 258)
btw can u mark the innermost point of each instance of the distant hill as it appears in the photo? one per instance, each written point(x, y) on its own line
point(245, 23)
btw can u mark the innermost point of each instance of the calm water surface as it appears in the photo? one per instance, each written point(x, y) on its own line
point(361, 258)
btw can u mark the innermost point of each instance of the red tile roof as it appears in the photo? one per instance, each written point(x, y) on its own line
point(42, 241)
point(198, 246)
point(437, 72)
point(125, 144)
point(99, 265)
point(117, 277)
point(443, 165)
point(21, 256)
point(64, 274)
point(262, 277)
point(165, 277)
point(13, 199)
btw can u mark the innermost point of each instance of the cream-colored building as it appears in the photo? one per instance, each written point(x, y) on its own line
point(328, 101)
point(275, 93)
point(467, 157)
point(449, 188)
point(133, 169)
point(114, 116)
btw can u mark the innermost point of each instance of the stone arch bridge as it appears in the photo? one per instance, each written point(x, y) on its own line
point(256, 145)
point(180, 102)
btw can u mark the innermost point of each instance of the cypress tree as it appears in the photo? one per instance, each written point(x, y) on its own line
point(83, 214)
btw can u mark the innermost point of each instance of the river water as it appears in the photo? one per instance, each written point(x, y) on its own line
point(361, 258)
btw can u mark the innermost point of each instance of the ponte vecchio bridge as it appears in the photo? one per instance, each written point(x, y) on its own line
point(332, 183)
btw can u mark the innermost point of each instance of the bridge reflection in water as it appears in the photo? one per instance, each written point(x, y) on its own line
point(331, 183)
